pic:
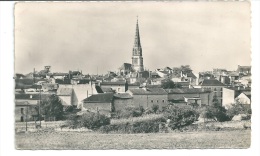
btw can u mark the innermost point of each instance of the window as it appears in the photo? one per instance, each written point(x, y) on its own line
point(151, 101)
point(22, 110)
point(157, 101)
point(163, 101)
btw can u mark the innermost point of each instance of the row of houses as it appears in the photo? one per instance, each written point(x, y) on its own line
point(107, 97)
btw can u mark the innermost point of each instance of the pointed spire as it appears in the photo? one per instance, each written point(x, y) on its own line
point(137, 36)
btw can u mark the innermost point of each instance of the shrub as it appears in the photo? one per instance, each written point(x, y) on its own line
point(180, 116)
point(215, 112)
point(147, 124)
point(73, 121)
point(238, 109)
point(131, 112)
point(94, 120)
point(155, 108)
point(88, 120)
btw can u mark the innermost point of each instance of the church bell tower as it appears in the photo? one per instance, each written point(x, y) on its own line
point(137, 58)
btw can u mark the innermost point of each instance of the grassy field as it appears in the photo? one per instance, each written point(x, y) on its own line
point(90, 140)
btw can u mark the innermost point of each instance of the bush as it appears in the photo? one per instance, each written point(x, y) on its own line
point(155, 108)
point(237, 109)
point(73, 121)
point(94, 120)
point(135, 125)
point(130, 112)
point(180, 116)
point(88, 120)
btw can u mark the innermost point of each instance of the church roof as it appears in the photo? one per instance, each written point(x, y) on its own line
point(126, 66)
point(137, 36)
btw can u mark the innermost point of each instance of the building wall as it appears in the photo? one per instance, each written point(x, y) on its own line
point(205, 97)
point(103, 108)
point(121, 104)
point(243, 99)
point(228, 97)
point(147, 101)
point(81, 91)
point(21, 112)
point(117, 88)
point(216, 91)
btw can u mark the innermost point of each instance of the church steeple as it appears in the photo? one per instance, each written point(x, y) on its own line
point(137, 58)
point(137, 36)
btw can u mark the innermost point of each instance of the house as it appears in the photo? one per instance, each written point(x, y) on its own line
point(215, 86)
point(147, 97)
point(120, 86)
point(125, 69)
point(25, 111)
point(68, 97)
point(189, 96)
point(101, 103)
point(122, 100)
point(49, 87)
point(244, 98)
point(205, 75)
point(157, 81)
point(26, 106)
point(81, 91)
point(244, 70)
point(231, 93)
point(60, 76)
point(162, 73)
point(233, 76)
point(134, 85)
point(154, 75)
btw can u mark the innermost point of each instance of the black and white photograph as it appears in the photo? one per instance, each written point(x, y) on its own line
point(132, 75)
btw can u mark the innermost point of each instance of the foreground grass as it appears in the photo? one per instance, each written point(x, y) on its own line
point(79, 140)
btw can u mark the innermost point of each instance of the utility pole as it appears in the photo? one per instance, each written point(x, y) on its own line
point(33, 75)
point(40, 107)
point(26, 116)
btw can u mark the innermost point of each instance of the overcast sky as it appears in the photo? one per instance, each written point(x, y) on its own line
point(92, 36)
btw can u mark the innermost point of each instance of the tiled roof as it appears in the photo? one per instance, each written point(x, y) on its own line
point(244, 67)
point(26, 102)
point(107, 90)
point(113, 83)
point(126, 66)
point(186, 90)
point(211, 82)
point(191, 75)
point(123, 96)
point(248, 94)
point(100, 98)
point(148, 91)
point(60, 74)
point(64, 91)
point(31, 96)
point(233, 74)
point(158, 79)
point(164, 72)
point(154, 73)
point(134, 84)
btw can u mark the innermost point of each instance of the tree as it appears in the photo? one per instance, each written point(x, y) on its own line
point(52, 107)
point(180, 116)
point(215, 111)
point(155, 108)
point(169, 84)
point(183, 68)
point(239, 108)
